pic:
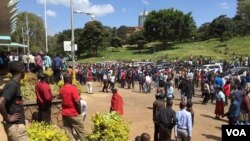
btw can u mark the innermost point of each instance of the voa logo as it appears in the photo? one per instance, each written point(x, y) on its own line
point(236, 132)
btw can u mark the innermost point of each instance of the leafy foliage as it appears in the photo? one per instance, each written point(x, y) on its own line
point(109, 127)
point(28, 86)
point(220, 25)
point(36, 31)
point(92, 37)
point(40, 131)
point(169, 25)
point(116, 42)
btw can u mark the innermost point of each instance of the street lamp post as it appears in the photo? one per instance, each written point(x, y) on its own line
point(72, 29)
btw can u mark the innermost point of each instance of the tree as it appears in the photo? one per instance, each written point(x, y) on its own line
point(36, 31)
point(220, 25)
point(124, 32)
point(169, 25)
point(116, 42)
point(203, 32)
point(242, 19)
point(92, 37)
point(139, 39)
point(65, 35)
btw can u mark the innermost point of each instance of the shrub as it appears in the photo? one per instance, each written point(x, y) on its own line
point(109, 127)
point(75, 82)
point(40, 131)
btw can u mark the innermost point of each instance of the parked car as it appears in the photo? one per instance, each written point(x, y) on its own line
point(238, 70)
point(212, 67)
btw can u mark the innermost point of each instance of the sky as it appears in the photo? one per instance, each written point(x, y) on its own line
point(114, 13)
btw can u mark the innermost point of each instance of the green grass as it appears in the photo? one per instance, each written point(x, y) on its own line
point(210, 48)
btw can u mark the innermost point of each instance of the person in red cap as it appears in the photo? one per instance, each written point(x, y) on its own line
point(116, 102)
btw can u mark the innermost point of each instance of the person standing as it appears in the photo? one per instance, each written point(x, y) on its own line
point(233, 113)
point(189, 90)
point(245, 108)
point(56, 66)
point(39, 63)
point(219, 106)
point(226, 90)
point(47, 61)
point(112, 81)
point(71, 109)
point(170, 92)
point(11, 104)
point(183, 127)
point(44, 98)
point(167, 120)
point(105, 82)
point(206, 92)
point(190, 109)
point(116, 102)
point(89, 79)
point(157, 105)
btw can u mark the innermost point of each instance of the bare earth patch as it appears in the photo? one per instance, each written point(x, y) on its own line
point(138, 113)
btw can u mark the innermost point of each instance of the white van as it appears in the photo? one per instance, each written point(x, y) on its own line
point(212, 67)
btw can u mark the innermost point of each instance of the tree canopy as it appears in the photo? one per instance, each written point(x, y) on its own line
point(36, 31)
point(169, 25)
point(92, 37)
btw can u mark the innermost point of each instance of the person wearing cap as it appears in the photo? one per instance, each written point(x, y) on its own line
point(157, 105)
point(116, 102)
point(44, 98)
point(183, 127)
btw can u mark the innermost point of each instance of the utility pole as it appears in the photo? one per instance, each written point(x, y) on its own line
point(23, 40)
point(27, 32)
point(45, 24)
point(72, 35)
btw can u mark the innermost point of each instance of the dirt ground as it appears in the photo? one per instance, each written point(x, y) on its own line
point(138, 113)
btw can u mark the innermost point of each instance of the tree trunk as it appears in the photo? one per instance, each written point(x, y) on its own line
point(96, 51)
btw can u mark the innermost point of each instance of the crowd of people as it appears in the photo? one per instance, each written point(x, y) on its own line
point(214, 86)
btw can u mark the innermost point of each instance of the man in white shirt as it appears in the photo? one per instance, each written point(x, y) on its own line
point(148, 81)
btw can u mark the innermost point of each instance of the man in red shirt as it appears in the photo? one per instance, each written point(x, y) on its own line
point(71, 109)
point(116, 102)
point(44, 98)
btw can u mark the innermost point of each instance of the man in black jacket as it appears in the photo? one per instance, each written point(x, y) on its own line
point(167, 120)
point(157, 105)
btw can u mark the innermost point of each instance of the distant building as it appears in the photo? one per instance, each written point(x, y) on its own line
point(142, 17)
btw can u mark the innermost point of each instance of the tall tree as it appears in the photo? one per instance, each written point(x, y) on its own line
point(203, 32)
point(242, 19)
point(36, 31)
point(139, 39)
point(220, 25)
point(169, 25)
point(92, 37)
point(116, 42)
